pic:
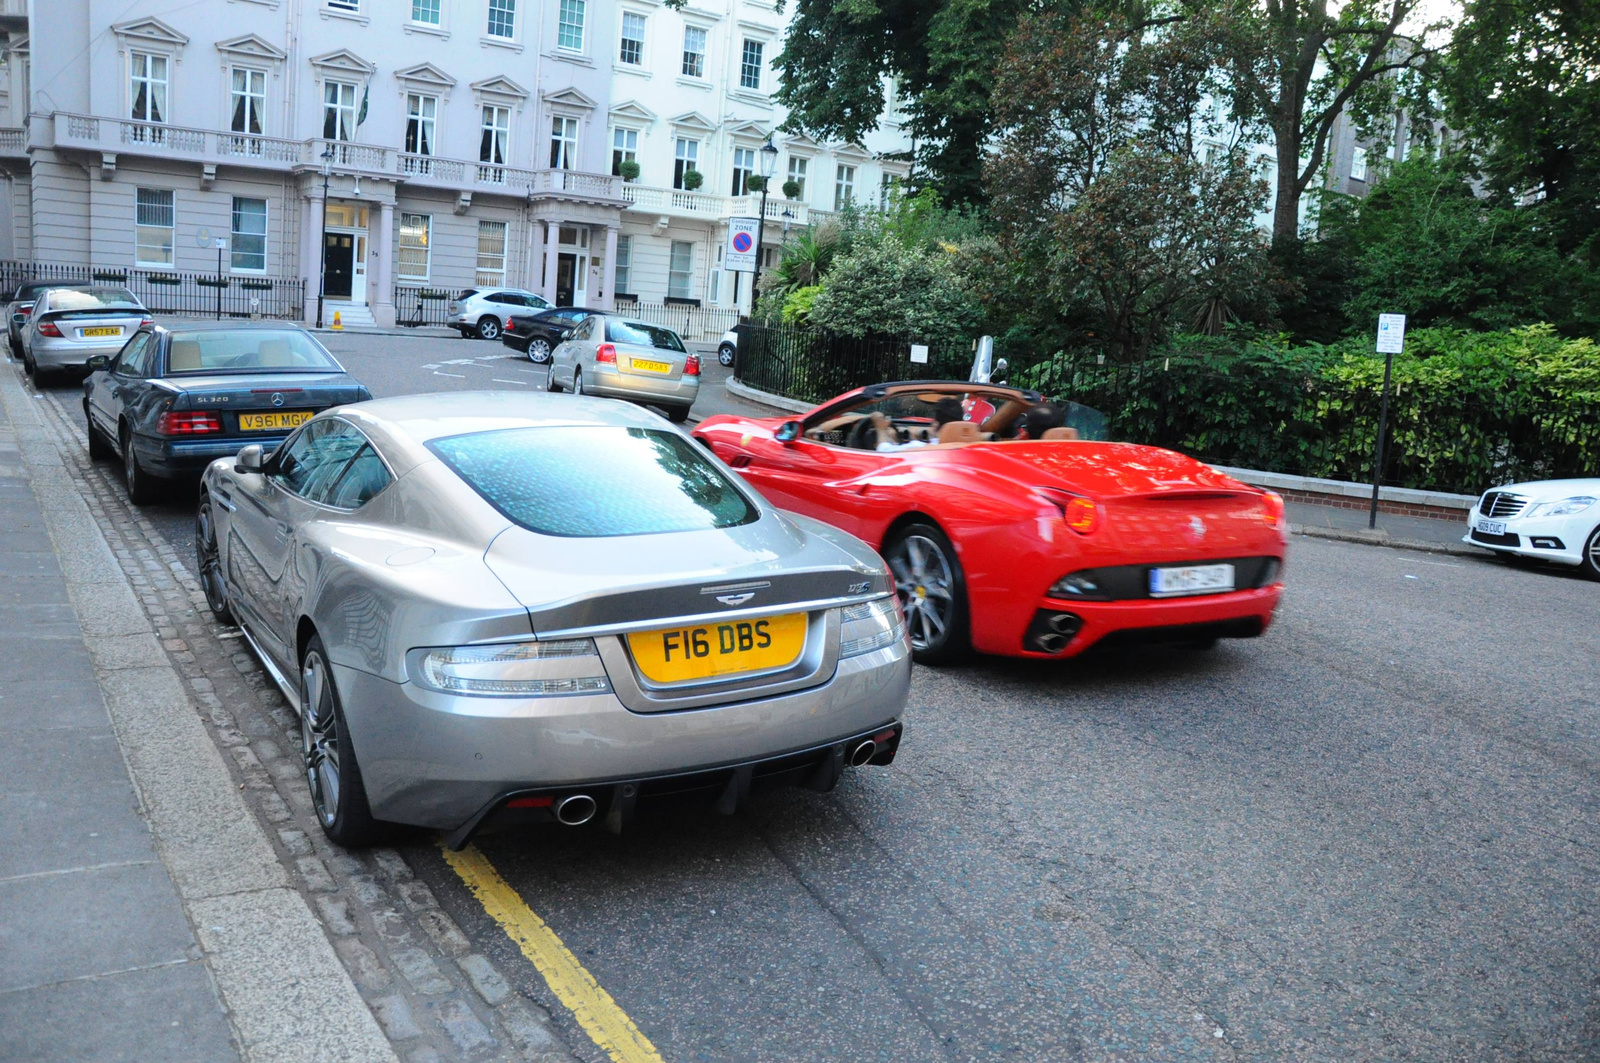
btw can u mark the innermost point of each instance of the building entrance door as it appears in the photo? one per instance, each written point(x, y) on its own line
point(572, 271)
point(339, 264)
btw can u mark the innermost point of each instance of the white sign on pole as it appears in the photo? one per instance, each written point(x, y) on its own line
point(919, 353)
point(221, 243)
point(740, 253)
point(1391, 333)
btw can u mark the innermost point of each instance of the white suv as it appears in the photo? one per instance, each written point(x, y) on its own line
point(482, 312)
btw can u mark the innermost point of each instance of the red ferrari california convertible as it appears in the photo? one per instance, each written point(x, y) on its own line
point(1029, 548)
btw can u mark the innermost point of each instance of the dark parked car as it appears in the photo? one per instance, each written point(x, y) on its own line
point(173, 401)
point(536, 335)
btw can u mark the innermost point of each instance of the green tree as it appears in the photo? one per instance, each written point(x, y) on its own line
point(1522, 83)
point(1095, 183)
point(1426, 244)
point(839, 54)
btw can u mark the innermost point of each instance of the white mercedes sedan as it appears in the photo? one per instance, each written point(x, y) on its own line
point(1550, 520)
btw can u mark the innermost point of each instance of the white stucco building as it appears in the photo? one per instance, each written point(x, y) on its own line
point(460, 142)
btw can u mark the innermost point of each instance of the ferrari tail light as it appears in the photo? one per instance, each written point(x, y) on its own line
point(1080, 514)
point(188, 424)
point(48, 328)
point(606, 354)
point(1272, 508)
point(691, 365)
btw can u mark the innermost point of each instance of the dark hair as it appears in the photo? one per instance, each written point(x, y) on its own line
point(948, 409)
point(1041, 418)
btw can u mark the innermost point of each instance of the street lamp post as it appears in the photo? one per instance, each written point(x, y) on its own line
point(769, 162)
point(322, 272)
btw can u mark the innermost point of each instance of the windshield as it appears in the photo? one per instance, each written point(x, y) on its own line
point(93, 299)
point(596, 481)
point(248, 351)
point(643, 335)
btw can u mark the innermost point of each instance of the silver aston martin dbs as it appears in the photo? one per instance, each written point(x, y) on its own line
point(495, 608)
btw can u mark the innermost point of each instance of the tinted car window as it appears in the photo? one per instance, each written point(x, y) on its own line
point(93, 299)
point(247, 351)
point(596, 481)
point(311, 462)
point(363, 478)
point(642, 334)
point(467, 293)
point(136, 357)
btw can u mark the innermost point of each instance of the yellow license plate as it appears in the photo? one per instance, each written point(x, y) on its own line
point(647, 366)
point(111, 331)
point(711, 651)
point(273, 422)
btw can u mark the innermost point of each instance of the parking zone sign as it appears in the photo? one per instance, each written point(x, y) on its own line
point(1391, 333)
point(739, 255)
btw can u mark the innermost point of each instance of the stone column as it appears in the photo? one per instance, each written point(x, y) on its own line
point(609, 277)
point(534, 281)
point(311, 250)
point(380, 271)
point(552, 261)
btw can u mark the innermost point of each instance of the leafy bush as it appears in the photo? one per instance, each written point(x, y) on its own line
point(797, 305)
point(1468, 410)
point(882, 286)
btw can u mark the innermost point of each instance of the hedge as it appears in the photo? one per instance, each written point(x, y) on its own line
point(1468, 410)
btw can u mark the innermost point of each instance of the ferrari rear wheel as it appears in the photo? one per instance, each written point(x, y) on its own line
point(933, 592)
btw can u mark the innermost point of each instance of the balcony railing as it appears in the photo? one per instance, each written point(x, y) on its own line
point(13, 141)
point(120, 135)
point(677, 201)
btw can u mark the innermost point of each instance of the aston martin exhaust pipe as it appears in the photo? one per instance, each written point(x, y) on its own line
point(575, 810)
point(863, 752)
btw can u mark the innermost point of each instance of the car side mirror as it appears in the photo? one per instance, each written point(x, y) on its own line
point(787, 432)
point(997, 375)
point(19, 319)
point(566, 334)
point(250, 459)
point(98, 362)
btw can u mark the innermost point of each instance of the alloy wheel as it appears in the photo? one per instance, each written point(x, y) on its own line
point(725, 354)
point(539, 351)
point(1592, 555)
point(319, 729)
point(577, 382)
point(925, 583)
point(209, 560)
point(489, 327)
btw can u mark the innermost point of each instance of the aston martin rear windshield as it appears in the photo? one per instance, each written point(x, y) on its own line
point(596, 481)
point(248, 351)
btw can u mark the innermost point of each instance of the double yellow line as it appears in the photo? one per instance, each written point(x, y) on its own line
point(605, 1023)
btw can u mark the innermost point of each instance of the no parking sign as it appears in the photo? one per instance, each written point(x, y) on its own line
point(740, 253)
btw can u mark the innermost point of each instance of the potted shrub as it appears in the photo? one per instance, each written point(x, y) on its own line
point(693, 179)
point(629, 170)
point(755, 183)
point(791, 189)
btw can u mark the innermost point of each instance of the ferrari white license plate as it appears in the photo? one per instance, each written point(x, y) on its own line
point(1492, 527)
point(1192, 579)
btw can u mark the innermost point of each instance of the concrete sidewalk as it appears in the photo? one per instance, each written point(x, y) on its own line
point(96, 954)
point(143, 914)
point(1350, 525)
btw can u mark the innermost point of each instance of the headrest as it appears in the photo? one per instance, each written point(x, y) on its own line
point(960, 432)
point(1060, 433)
point(183, 356)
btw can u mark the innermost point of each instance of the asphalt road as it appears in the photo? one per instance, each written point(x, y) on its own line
point(1369, 834)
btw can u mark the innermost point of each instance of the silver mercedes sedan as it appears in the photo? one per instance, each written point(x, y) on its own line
point(497, 608)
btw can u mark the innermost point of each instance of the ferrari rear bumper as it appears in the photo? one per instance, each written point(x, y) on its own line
point(1067, 628)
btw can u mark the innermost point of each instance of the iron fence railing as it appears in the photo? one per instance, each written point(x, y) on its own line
point(813, 365)
point(177, 292)
point(696, 324)
point(416, 307)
